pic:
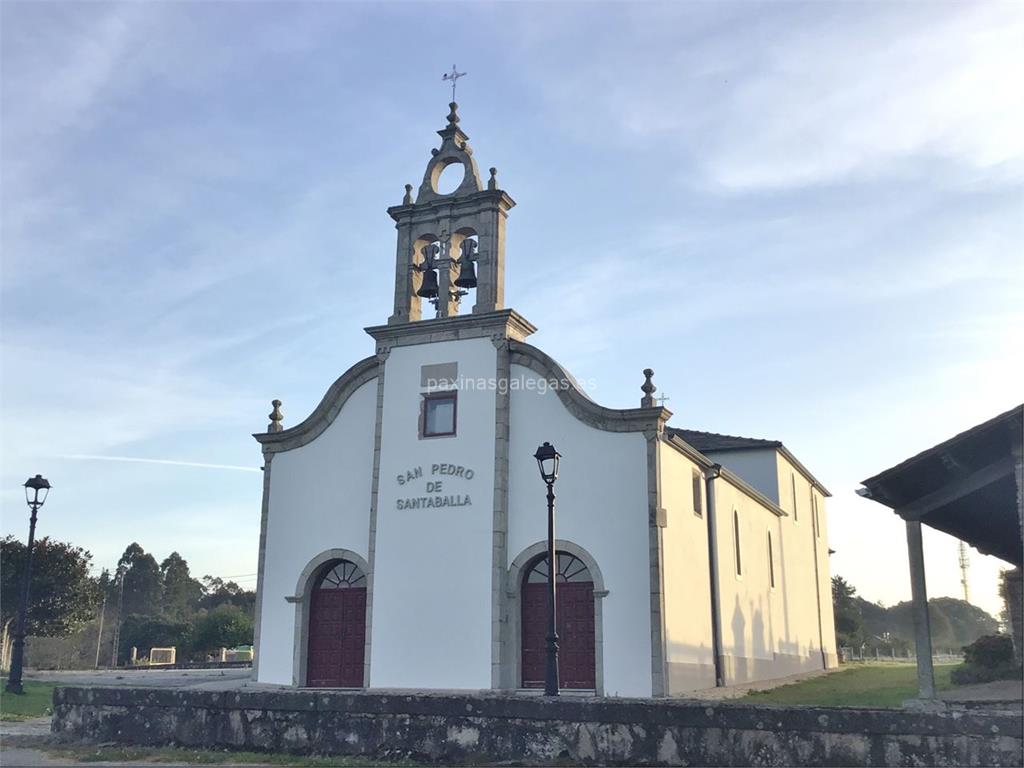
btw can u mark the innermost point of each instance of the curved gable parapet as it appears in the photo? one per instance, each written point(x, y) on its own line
point(324, 414)
point(579, 404)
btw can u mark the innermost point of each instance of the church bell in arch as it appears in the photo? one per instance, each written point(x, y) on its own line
point(429, 287)
point(450, 244)
point(467, 268)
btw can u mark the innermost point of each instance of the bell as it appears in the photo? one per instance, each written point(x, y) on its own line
point(428, 290)
point(467, 275)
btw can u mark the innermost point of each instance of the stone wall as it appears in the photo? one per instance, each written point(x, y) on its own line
point(474, 729)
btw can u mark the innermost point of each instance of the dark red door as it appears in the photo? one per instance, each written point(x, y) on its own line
point(574, 615)
point(337, 638)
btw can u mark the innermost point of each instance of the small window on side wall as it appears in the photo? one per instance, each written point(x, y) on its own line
point(698, 505)
point(736, 541)
point(796, 506)
point(438, 415)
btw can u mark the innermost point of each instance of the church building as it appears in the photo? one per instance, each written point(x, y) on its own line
point(404, 524)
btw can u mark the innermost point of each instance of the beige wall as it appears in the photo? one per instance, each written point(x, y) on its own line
point(803, 545)
point(689, 663)
point(767, 631)
point(753, 614)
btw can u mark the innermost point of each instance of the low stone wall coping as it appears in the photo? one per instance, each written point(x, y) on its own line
point(485, 727)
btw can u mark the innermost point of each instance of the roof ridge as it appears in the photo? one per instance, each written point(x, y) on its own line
point(763, 440)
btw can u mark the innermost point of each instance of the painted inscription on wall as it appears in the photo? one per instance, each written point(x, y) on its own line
point(436, 487)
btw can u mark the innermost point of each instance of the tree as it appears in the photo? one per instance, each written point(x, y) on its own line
point(967, 622)
point(224, 627)
point(146, 632)
point(219, 592)
point(143, 583)
point(848, 619)
point(181, 593)
point(62, 596)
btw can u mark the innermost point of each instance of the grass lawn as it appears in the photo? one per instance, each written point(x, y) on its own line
point(137, 755)
point(858, 684)
point(37, 701)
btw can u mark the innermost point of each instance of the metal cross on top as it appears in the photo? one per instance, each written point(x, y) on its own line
point(454, 75)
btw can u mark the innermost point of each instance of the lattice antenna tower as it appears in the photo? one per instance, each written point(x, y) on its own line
point(964, 565)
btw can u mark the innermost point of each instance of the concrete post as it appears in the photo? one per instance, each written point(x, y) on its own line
point(922, 625)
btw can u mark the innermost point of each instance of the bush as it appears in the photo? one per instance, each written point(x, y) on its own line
point(990, 651)
point(986, 659)
point(224, 627)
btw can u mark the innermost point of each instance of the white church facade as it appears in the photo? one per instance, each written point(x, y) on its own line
point(403, 534)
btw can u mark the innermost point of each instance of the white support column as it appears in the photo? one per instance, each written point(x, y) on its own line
point(922, 625)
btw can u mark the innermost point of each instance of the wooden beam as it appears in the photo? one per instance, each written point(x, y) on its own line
point(957, 489)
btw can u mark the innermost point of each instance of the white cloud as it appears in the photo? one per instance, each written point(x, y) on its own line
point(789, 95)
point(162, 462)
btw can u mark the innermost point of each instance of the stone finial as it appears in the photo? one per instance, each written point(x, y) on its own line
point(453, 115)
point(276, 417)
point(648, 388)
point(492, 183)
point(407, 200)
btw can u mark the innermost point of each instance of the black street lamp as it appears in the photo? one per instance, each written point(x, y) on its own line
point(36, 489)
point(547, 461)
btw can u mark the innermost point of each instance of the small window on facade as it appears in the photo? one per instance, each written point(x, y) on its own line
point(796, 510)
point(438, 414)
point(736, 541)
point(814, 511)
point(771, 562)
point(698, 506)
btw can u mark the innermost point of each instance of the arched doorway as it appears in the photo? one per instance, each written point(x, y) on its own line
point(337, 627)
point(574, 614)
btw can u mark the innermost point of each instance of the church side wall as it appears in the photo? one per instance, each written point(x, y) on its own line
point(803, 545)
point(828, 621)
point(689, 657)
point(432, 570)
point(757, 640)
point(757, 467)
point(602, 507)
point(319, 500)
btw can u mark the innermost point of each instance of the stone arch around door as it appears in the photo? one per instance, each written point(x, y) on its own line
point(307, 582)
point(513, 593)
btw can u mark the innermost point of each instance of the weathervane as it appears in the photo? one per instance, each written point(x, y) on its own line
point(453, 76)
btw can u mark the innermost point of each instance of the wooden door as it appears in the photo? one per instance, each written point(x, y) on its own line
point(337, 638)
point(574, 616)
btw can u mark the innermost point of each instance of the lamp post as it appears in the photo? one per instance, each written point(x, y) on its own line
point(547, 461)
point(36, 490)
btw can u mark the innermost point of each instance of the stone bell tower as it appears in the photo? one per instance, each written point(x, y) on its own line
point(450, 245)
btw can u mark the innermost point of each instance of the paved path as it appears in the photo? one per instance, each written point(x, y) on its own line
point(997, 690)
point(204, 679)
point(738, 691)
point(17, 739)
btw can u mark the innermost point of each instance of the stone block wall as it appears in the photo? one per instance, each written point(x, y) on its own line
point(486, 728)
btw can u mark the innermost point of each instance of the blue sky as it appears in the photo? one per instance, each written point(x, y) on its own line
point(807, 218)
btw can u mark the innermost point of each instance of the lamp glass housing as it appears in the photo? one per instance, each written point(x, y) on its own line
point(36, 490)
point(547, 462)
